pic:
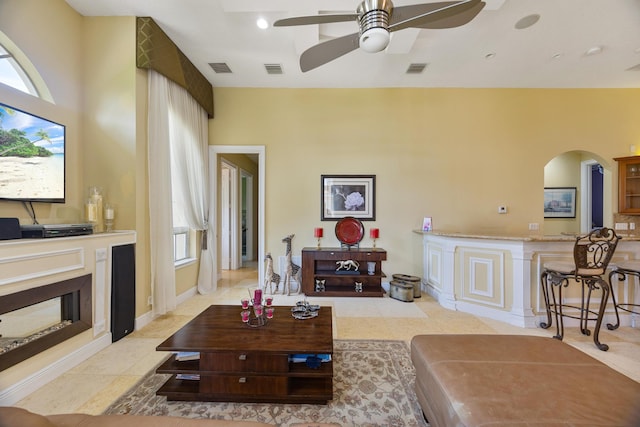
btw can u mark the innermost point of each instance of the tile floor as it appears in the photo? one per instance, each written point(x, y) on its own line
point(94, 384)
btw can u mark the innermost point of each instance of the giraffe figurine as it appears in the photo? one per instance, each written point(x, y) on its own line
point(292, 270)
point(270, 277)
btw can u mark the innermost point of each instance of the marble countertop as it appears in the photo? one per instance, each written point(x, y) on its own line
point(568, 237)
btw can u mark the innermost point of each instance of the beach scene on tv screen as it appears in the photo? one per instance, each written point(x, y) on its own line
point(31, 156)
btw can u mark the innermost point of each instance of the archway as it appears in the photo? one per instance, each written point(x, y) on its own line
point(573, 169)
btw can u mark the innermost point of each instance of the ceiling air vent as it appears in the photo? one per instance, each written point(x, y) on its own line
point(416, 68)
point(273, 68)
point(220, 67)
point(634, 68)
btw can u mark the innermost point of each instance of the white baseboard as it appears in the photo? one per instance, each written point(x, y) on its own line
point(143, 320)
point(186, 295)
point(146, 318)
point(22, 389)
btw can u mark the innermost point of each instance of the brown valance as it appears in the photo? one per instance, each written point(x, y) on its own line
point(156, 51)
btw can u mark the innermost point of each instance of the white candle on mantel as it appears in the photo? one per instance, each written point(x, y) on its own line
point(108, 213)
point(90, 211)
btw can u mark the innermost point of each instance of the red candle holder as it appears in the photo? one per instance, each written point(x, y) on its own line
point(374, 233)
point(317, 233)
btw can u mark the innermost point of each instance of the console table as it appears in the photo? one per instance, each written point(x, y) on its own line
point(239, 363)
point(321, 264)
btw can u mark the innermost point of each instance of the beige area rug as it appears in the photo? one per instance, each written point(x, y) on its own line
point(373, 385)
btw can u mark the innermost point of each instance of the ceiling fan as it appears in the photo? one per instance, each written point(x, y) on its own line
point(377, 19)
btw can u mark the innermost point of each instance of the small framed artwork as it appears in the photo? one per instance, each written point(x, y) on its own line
point(560, 202)
point(426, 224)
point(348, 195)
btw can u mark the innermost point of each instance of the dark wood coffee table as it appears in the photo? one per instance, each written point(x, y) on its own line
point(239, 363)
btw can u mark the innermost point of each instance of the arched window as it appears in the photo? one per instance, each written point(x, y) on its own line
point(12, 74)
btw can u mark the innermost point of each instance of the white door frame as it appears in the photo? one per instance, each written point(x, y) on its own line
point(214, 150)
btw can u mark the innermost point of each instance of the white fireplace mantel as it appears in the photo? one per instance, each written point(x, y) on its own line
point(31, 263)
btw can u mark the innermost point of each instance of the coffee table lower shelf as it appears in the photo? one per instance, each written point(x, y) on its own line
point(300, 390)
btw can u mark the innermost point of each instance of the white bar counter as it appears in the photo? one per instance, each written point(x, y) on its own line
point(498, 276)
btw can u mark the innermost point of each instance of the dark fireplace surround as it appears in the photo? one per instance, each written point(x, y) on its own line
point(76, 306)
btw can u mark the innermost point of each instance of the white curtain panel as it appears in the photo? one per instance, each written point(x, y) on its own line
point(163, 281)
point(185, 124)
point(188, 129)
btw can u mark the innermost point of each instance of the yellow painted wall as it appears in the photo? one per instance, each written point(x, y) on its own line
point(88, 65)
point(452, 154)
point(57, 56)
point(114, 125)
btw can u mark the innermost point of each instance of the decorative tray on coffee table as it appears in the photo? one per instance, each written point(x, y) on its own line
point(303, 310)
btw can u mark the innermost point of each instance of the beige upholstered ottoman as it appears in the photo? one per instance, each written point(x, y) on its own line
point(504, 380)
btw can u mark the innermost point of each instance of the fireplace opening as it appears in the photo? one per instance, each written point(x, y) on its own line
point(34, 320)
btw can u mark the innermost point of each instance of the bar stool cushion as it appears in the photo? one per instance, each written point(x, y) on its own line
point(560, 266)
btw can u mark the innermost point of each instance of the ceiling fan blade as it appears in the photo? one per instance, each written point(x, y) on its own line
point(325, 52)
point(422, 15)
point(454, 21)
point(315, 19)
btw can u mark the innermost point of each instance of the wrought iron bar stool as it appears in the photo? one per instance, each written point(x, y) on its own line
point(622, 270)
point(591, 256)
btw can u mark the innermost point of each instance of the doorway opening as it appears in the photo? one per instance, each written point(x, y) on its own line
point(251, 199)
point(248, 220)
point(597, 195)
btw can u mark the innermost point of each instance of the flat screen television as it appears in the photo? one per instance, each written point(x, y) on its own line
point(32, 164)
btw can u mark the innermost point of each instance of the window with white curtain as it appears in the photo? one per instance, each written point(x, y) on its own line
point(183, 236)
point(181, 243)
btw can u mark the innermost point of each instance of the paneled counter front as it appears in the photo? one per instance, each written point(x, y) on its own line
point(499, 276)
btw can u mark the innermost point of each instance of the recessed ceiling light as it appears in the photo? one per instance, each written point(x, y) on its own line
point(557, 56)
point(527, 21)
point(593, 51)
point(490, 56)
point(262, 23)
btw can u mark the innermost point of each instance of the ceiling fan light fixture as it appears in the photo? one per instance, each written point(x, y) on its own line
point(593, 51)
point(374, 40)
point(376, 20)
point(374, 24)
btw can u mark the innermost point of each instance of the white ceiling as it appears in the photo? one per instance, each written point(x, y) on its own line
point(552, 53)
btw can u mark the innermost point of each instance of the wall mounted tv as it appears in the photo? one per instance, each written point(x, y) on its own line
point(32, 164)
